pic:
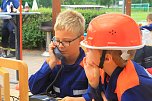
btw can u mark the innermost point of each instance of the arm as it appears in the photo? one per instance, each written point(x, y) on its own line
point(149, 27)
point(103, 96)
point(95, 87)
point(40, 80)
point(92, 72)
point(91, 95)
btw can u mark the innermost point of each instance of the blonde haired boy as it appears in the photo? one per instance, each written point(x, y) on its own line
point(71, 80)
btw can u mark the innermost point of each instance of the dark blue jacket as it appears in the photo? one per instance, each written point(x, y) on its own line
point(72, 80)
point(148, 27)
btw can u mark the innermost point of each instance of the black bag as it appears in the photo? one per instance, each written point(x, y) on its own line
point(143, 56)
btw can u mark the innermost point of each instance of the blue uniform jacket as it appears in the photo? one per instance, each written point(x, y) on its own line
point(7, 24)
point(148, 27)
point(132, 83)
point(72, 80)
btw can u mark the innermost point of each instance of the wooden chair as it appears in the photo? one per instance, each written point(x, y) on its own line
point(5, 75)
point(23, 77)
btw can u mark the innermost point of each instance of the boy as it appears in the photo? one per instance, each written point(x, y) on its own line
point(110, 47)
point(149, 23)
point(69, 73)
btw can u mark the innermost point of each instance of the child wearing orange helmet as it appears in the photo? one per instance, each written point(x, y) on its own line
point(108, 66)
point(62, 74)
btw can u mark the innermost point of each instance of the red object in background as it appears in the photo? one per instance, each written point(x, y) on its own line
point(20, 58)
point(149, 70)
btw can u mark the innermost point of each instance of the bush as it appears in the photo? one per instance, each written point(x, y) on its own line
point(89, 15)
point(33, 37)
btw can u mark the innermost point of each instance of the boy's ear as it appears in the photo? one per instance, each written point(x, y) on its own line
point(108, 57)
point(81, 38)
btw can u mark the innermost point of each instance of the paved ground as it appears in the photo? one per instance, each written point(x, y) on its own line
point(33, 59)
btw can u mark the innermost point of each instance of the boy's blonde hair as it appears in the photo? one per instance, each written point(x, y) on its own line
point(149, 16)
point(116, 56)
point(70, 21)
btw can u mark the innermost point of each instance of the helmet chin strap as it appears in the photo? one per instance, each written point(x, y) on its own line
point(102, 58)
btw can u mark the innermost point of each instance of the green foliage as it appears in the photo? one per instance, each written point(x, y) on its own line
point(28, 1)
point(89, 15)
point(73, 2)
point(33, 37)
point(104, 2)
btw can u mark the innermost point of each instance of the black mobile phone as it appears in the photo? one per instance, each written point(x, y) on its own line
point(57, 53)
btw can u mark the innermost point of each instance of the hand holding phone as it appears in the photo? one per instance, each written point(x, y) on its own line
point(57, 53)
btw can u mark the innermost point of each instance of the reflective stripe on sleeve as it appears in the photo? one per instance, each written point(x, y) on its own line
point(79, 92)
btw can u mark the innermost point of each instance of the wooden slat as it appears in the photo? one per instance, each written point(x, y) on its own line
point(23, 75)
point(6, 85)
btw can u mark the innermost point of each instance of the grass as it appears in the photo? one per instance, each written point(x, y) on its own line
point(137, 15)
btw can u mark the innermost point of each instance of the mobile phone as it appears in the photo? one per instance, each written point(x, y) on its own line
point(57, 53)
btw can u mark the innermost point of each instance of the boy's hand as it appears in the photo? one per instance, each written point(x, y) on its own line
point(73, 99)
point(52, 60)
point(92, 72)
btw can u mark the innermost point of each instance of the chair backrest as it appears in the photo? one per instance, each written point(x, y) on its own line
point(23, 77)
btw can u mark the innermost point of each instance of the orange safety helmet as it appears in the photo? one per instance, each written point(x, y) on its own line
point(113, 32)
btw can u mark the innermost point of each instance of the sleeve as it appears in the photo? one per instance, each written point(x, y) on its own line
point(16, 4)
point(146, 27)
point(40, 80)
